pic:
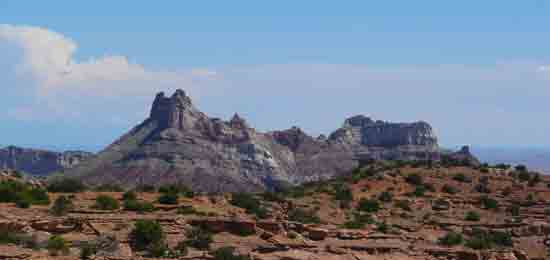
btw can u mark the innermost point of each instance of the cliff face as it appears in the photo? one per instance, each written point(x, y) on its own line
point(39, 162)
point(178, 143)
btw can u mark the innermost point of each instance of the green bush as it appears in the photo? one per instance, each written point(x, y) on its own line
point(303, 216)
point(249, 202)
point(57, 245)
point(472, 216)
point(138, 206)
point(368, 205)
point(66, 185)
point(488, 203)
point(129, 195)
point(105, 202)
point(343, 193)
point(403, 204)
point(449, 189)
point(87, 250)
point(382, 227)
point(108, 188)
point(359, 221)
point(385, 196)
point(460, 177)
point(451, 239)
point(180, 189)
point(198, 238)
point(146, 188)
point(146, 233)
point(61, 206)
point(481, 239)
point(419, 191)
point(22, 194)
point(414, 179)
point(169, 198)
point(227, 253)
point(514, 210)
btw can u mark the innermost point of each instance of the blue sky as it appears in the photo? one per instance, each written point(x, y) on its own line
point(77, 75)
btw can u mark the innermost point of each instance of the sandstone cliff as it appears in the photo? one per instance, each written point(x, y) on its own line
point(39, 162)
point(179, 143)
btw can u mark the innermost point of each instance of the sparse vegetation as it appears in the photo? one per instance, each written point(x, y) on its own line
point(61, 206)
point(198, 238)
point(105, 202)
point(66, 185)
point(368, 205)
point(250, 203)
point(228, 253)
point(303, 216)
point(451, 239)
point(57, 245)
point(146, 233)
point(414, 179)
point(472, 216)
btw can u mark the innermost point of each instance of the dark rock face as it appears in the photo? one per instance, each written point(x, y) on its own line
point(178, 143)
point(39, 162)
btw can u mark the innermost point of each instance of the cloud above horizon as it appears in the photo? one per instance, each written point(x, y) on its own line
point(44, 81)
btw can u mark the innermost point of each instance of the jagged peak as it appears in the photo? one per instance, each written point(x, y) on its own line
point(238, 121)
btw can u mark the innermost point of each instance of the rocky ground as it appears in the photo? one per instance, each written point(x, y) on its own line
point(380, 211)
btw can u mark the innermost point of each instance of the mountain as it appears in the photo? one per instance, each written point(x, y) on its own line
point(179, 143)
point(39, 162)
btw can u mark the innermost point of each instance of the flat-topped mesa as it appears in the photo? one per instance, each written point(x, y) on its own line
point(176, 111)
point(362, 130)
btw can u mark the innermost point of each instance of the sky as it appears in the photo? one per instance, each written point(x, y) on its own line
point(76, 75)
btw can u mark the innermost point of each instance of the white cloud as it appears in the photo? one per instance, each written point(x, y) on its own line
point(48, 68)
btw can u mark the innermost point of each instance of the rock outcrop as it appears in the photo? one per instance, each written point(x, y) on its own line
point(179, 143)
point(39, 162)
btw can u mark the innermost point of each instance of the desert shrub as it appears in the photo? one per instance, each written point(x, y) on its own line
point(129, 195)
point(514, 210)
point(414, 179)
point(273, 196)
point(535, 179)
point(382, 227)
point(108, 188)
point(21, 239)
point(358, 221)
point(385, 196)
point(138, 206)
point(227, 253)
point(158, 249)
point(368, 205)
point(482, 188)
point(170, 198)
point(481, 239)
point(451, 239)
point(177, 189)
point(343, 193)
point(87, 250)
point(303, 216)
point(57, 245)
point(105, 202)
point(429, 187)
point(22, 194)
point(449, 189)
point(547, 211)
point(66, 185)
point(403, 204)
point(472, 216)
point(461, 177)
point(61, 206)
point(146, 233)
point(198, 238)
point(488, 203)
point(419, 191)
point(248, 202)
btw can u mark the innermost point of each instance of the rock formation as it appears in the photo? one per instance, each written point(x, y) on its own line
point(39, 162)
point(178, 143)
